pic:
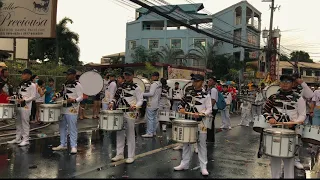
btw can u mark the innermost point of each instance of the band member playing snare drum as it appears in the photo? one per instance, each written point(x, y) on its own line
point(110, 91)
point(284, 106)
point(26, 94)
point(198, 102)
point(72, 93)
point(129, 95)
point(164, 103)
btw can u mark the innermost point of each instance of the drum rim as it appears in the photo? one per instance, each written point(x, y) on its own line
point(311, 126)
point(58, 106)
point(271, 131)
point(144, 86)
point(6, 104)
point(112, 112)
point(186, 122)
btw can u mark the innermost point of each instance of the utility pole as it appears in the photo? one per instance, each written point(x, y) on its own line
point(269, 50)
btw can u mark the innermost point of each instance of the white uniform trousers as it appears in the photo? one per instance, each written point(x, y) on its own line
point(245, 116)
point(225, 116)
point(276, 167)
point(256, 110)
point(128, 132)
point(202, 152)
point(22, 124)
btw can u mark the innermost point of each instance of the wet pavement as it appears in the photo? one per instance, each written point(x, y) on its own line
point(232, 156)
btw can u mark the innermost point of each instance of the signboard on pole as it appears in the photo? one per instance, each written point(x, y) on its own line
point(273, 62)
point(28, 19)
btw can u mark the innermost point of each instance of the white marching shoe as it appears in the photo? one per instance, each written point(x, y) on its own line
point(15, 141)
point(130, 160)
point(204, 172)
point(118, 158)
point(180, 167)
point(179, 147)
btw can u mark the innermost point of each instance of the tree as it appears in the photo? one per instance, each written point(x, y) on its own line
point(142, 55)
point(284, 57)
point(1, 3)
point(65, 45)
point(169, 55)
point(300, 56)
point(116, 60)
point(147, 70)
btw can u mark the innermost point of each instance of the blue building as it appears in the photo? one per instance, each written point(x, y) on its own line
point(242, 22)
point(153, 31)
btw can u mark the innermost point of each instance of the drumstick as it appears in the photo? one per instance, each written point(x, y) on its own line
point(201, 114)
point(285, 123)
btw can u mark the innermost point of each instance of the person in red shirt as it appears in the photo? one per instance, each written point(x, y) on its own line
point(219, 87)
point(233, 92)
point(5, 87)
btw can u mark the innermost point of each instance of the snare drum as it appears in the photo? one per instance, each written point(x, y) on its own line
point(6, 111)
point(279, 142)
point(299, 129)
point(260, 123)
point(311, 134)
point(163, 115)
point(111, 120)
point(185, 131)
point(50, 112)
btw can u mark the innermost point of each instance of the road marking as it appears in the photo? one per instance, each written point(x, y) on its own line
point(145, 154)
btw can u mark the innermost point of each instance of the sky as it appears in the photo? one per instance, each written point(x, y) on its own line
point(101, 24)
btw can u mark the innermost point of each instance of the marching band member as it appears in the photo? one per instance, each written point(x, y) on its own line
point(109, 92)
point(153, 105)
point(213, 91)
point(258, 101)
point(274, 112)
point(130, 95)
point(196, 101)
point(245, 113)
point(26, 94)
point(176, 95)
point(164, 103)
point(72, 93)
point(304, 90)
point(225, 115)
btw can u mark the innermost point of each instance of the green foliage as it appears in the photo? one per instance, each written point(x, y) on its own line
point(300, 56)
point(149, 69)
point(116, 60)
point(284, 57)
point(116, 72)
point(169, 55)
point(66, 41)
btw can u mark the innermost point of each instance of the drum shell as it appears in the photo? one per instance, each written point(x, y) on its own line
point(111, 120)
point(299, 129)
point(311, 134)
point(270, 90)
point(6, 111)
point(280, 145)
point(163, 115)
point(50, 112)
point(184, 131)
point(260, 123)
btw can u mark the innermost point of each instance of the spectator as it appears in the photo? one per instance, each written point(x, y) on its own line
point(6, 89)
point(40, 94)
point(34, 79)
point(49, 91)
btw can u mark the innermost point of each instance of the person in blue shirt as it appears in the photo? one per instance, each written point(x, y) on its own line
point(49, 91)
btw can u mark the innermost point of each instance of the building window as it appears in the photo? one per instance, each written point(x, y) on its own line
point(252, 39)
point(200, 42)
point(317, 73)
point(153, 44)
point(132, 45)
point(176, 43)
point(287, 71)
point(308, 72)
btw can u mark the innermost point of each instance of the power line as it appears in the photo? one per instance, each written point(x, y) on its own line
point(190, 27)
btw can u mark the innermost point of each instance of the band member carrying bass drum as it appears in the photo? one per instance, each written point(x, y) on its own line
point(278, 110)
point(129, 95)
point(198, 102)
point(176, 95)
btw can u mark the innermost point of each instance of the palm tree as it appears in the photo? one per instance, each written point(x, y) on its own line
point(204, 53)
point(64, 47)
point(170, 55)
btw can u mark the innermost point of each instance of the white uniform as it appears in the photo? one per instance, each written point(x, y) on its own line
point(245, 113)
point(296, 111)
point(109, 92)
point(257, 104)
point(26, 91)
point(152, 107)
point(164, 104)
point(197, 101)
point(128, 94)
point(225, 115)
point(72, 90)
point(176, 95)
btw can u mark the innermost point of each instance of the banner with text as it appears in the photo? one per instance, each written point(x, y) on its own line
point(28, 18)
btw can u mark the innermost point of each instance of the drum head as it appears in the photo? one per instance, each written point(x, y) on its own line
point(91, 82)
point(51, 105)
point(184, 121)
point(146, 83)
point(140, 83)
point(279, 131)
point(271, 90)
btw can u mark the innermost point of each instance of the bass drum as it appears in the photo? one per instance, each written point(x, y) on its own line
point(270, 90)
point(146, 83)
point(91, 82)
